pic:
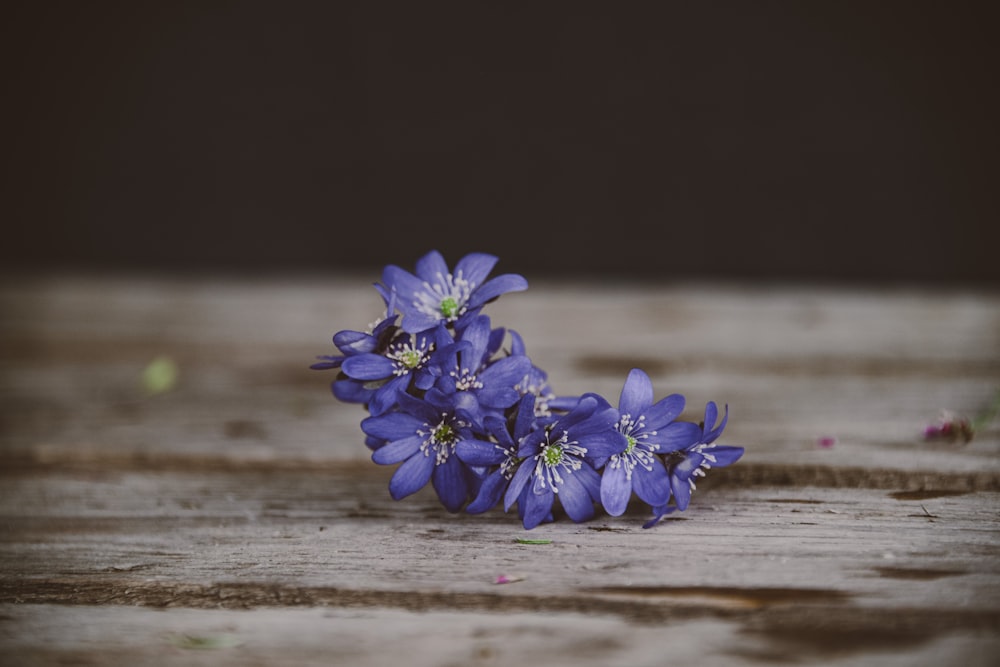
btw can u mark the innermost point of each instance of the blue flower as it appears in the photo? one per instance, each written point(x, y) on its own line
point(498, 456)
point(351, 344)
point(435, 295)
point(689, 463)
point(536, 383)
point(650, 430)
point(558, 460)
point(450, 406)
point(385, 373)
point(485, 385)
point(422, 436)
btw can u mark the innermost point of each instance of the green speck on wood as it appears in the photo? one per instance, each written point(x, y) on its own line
point(524, 540)
point(160, 375)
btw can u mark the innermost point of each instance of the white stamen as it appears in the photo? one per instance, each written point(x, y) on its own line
point(408, 356)
point(639, 451)
point(561, 454)
point(456, 288)
point(441, 439)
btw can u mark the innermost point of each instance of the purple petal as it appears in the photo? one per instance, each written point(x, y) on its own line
point(616, 490)
point(354, 342)
point(682, 492)
point(397, 450)
point(368, 367)
point(651, 486)
point(329, 361)
point(449, 482)
point(525, 416)
point(351, 391)
point(496, 340)
point(723, 455)
point(664, 411)
point(508, 371)
point(489, 494)
point(675, 436)
point(603, 444)
point(712, 435)
point(564, 403)
point(479, 453)
point(421, 410)
point(517, 483)
point(387, 396)
point(475, 266)
point(412, 476)
point(416, 322)
point(492, 396)
point(575, 498)
point(432, 268)
point(477, 335)
point(491, 289)
point(405, 284)
point(598, 422)
point(591, 482)
point(391, 426)
point(536, 507)
point(517, 347)
point(637, 393)
point(659, 513)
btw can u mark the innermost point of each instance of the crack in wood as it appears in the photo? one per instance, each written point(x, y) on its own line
point(906, 484)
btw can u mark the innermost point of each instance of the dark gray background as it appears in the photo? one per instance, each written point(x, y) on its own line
point(810, 141)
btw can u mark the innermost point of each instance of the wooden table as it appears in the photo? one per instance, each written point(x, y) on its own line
point(235, 519)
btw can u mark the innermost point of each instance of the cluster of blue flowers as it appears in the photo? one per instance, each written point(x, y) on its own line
point(451, 405)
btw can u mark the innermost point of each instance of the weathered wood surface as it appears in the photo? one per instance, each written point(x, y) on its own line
point(238, 514)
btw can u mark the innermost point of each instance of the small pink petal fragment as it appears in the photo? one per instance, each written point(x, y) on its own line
point(508, 579)
point(826, 441)
point(950, 427)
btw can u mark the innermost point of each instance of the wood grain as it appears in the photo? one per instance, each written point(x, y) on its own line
point(236, 520)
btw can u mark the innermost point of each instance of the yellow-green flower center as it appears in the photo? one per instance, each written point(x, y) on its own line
point(631, 444)
point(444, 434)
point(553, 455)
point(449, 307)
point(410, 358)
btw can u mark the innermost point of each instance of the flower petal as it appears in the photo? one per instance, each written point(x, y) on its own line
point(489, 494)
point(475, 267)
point(479, 453)
point(517, 483)
point(477, 335)
point(391, 426)
point(723, 455)
point(675, 436)
point(432, 268)
point(575, 498)
point(368, 367)
point(536, 507)
point(664, 411)
point(712, 435)
point(651, 486)
point(449, 482)
point(397, 450)
point(659, 513)
point(682, 492)
point(602, 444)
point(405, 284)
point(491, 289)
point(351, 391)
point(412, 476)
point(387, 395)
point(616, 489)
point(354, 342)
point(637, 393)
